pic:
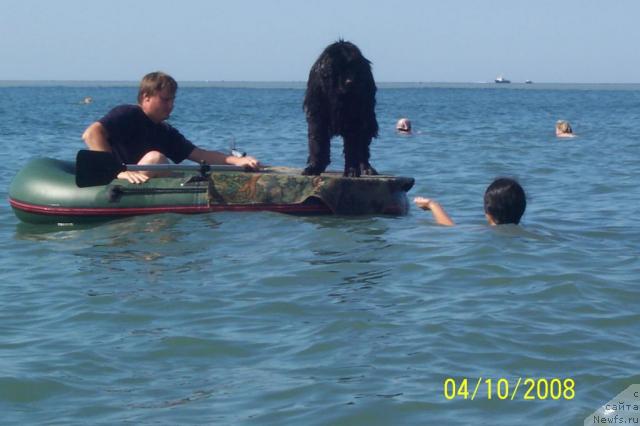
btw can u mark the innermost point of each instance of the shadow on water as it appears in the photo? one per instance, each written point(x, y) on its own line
point(49, 232)
point(123, 229)
point(364, 225)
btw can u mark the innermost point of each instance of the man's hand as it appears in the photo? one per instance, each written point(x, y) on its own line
point(423, 203)
point(133, 177)
point(246, 161)
point(441, 217)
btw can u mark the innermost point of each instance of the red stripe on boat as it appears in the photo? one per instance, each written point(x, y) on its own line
point(130, 211)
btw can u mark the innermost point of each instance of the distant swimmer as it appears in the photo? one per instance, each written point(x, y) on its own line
point(87, 100)
point(403, 126)
point(563, 129)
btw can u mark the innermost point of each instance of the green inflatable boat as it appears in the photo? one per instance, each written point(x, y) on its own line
point(49, 191)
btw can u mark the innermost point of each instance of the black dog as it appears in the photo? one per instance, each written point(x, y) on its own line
point(340, 100)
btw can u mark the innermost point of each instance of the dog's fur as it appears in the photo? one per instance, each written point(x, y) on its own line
point(340, 101)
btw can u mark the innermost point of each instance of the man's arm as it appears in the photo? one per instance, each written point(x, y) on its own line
point(441, 217)
point(96, 137)
point(214, 157)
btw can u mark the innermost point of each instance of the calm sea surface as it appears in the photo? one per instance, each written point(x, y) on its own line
point(263, 318)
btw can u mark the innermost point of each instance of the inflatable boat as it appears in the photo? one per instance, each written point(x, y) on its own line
point(47, 190)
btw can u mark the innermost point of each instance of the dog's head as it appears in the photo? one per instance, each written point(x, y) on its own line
point(344, 69)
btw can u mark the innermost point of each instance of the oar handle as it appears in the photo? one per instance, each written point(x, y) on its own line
point(95, 168)
point(182, 167)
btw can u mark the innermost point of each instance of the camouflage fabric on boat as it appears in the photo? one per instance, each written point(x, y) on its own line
point(281, 185)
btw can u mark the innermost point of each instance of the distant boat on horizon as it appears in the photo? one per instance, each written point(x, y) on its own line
point(501, 79)
point(528, 82)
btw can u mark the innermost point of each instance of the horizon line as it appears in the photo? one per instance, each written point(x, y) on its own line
point(301, 81)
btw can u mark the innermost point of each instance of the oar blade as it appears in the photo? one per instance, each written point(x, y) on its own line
point(94, 168)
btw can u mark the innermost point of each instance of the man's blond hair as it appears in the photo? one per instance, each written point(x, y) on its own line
point(154, 83)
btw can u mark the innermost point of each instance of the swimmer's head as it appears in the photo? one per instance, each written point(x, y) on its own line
point(504, 202)
point(403, 125)
point(563, 126)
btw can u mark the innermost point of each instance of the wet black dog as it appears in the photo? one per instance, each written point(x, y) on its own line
point(340, 101)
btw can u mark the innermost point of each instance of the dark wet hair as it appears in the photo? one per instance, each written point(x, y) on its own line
point(505, 201)
point(156, 82)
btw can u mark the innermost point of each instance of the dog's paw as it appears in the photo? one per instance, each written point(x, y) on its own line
point(368, 170)
point(351, 172)
point(312, 170)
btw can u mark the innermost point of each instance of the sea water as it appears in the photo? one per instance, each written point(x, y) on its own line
point(264, 318)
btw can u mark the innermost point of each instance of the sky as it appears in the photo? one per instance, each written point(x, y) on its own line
point(563, 41)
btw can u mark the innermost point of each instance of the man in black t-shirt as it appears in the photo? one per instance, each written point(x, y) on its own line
point(138, 134)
